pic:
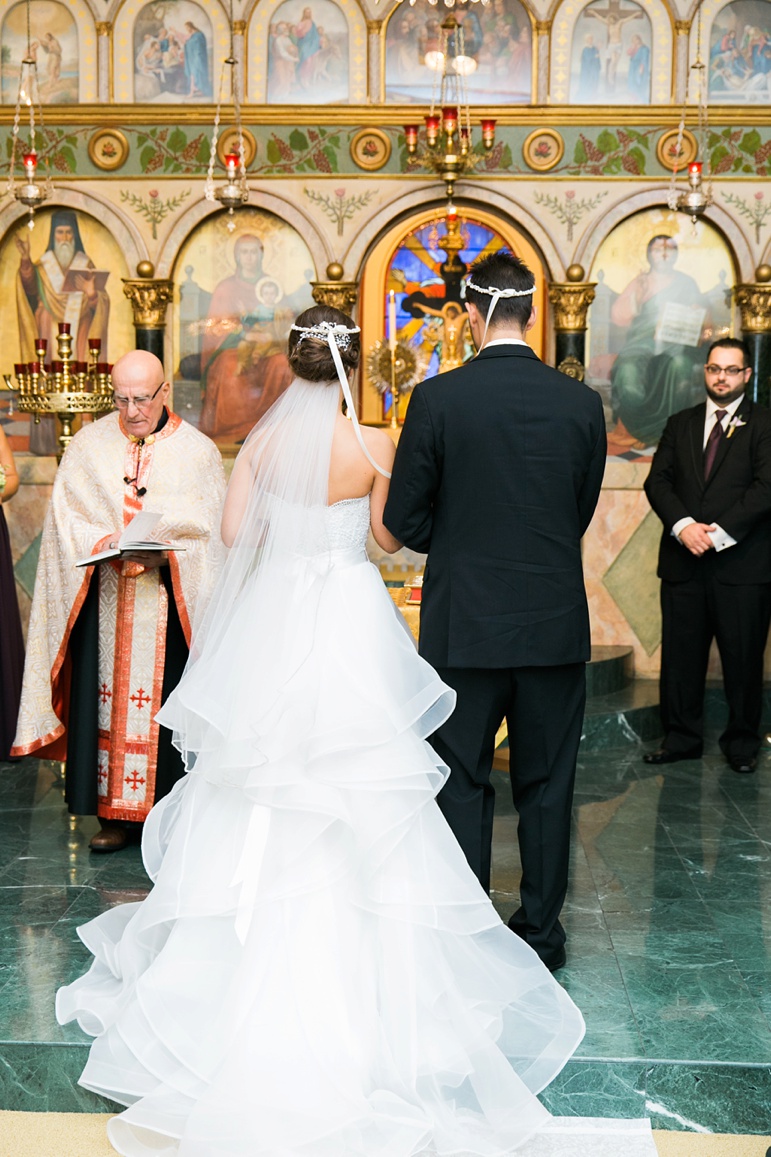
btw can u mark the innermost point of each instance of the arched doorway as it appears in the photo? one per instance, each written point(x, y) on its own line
point(410, 259)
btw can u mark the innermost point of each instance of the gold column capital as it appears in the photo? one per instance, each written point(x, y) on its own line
point(336, 294)
point(683, 27)
point(570, 302)
point(374, 26)
point(149, 299)
point(754, 301)
point(103, 27)
point(543, 27)
point(239, 27)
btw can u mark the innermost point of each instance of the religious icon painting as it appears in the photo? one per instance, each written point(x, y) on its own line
point(497, 44)
point(664, 292)
point(238, 295)
point(543, 150)
point(54, 48)
point(308, 54)
point(611, 56)
point(172, 47)
point(68, 268)
point(740, 53)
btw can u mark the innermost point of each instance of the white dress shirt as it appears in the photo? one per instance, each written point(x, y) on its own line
point(504, 341)
point(720, 538)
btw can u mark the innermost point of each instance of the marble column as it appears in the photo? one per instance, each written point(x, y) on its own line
point(543, 33)
point(334, 291)
point(149, 298)
point(104, 61)
point(374, 61)
point(754, 301)
point(239, 52)
point(683, 32)
point(570, 303)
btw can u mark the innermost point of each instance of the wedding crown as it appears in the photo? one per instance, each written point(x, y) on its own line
point(326, 331)
point(500, 292)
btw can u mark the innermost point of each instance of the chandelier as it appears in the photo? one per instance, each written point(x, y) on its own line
point(30, 192)
point(448, 148)
point(697, 197)
point(235, 191)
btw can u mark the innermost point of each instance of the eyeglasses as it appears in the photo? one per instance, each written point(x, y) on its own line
point(140, 403)
point(729, 371)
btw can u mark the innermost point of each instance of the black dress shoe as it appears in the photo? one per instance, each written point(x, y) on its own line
point(744, 764)
point(662, 755)
point(557, 960)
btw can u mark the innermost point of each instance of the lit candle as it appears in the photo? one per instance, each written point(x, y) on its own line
point(432, 128)
point(411, 137)
point(450, 118)
point(488, 132)
point(231, 161)
point(694, 167)
point(392, 320)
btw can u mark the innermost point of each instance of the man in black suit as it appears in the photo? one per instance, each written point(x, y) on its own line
point(497, 475)
point(710, 484)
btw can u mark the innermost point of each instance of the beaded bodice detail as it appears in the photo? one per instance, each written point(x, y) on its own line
point(349, 523)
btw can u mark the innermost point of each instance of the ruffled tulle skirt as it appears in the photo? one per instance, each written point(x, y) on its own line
point(316, 972)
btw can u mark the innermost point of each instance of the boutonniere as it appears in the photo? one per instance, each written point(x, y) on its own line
point(736, 423)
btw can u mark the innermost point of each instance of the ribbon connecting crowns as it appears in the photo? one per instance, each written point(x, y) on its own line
point(496, 295)
point(329, 332)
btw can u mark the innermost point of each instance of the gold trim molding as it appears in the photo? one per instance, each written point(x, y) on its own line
point(653, 116)
point(570, 304)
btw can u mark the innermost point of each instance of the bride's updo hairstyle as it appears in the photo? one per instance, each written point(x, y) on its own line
point(310, 357)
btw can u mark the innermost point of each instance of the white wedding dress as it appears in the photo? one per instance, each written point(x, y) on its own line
point(316, 971)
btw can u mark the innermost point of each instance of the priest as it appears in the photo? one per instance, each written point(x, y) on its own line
point(107, 643)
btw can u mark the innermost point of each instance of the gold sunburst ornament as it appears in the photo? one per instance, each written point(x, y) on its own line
point(409, 366)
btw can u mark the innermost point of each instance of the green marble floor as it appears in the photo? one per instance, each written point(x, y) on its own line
point(668, 920)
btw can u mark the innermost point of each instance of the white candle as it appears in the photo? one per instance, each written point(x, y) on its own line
point(391, 320)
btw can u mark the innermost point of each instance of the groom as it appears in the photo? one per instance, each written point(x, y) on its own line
point(497, 475)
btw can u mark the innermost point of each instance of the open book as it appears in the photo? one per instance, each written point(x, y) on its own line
point(72, 279)
point(135, 537)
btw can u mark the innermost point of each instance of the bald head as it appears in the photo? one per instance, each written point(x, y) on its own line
point(140, 391)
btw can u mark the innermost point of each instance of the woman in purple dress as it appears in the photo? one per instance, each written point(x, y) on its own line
point(11, 641)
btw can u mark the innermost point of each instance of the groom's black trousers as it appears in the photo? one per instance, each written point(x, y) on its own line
point(544, 710)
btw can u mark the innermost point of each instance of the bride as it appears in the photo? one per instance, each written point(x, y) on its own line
point(316, 972)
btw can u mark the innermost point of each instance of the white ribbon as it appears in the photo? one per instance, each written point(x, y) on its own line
point(496, 295)
point(349, 403)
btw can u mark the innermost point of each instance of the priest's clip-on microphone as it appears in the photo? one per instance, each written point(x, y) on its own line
point(139, 489)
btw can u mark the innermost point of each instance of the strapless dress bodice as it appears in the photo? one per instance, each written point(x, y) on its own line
point(349, 523)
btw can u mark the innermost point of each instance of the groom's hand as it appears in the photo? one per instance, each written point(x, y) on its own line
point(695, 537)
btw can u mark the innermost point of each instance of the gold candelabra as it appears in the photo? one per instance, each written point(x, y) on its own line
point(63, 386)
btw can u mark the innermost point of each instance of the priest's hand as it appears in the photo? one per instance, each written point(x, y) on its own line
point(149, 559)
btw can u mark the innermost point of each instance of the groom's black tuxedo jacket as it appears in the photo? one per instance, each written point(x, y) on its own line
point(497, 475)
point(737, 495)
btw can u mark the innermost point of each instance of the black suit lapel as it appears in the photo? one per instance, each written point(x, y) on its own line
point(731, 436)
point(697, 441)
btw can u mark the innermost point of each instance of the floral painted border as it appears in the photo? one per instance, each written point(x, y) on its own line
point(175, 151)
